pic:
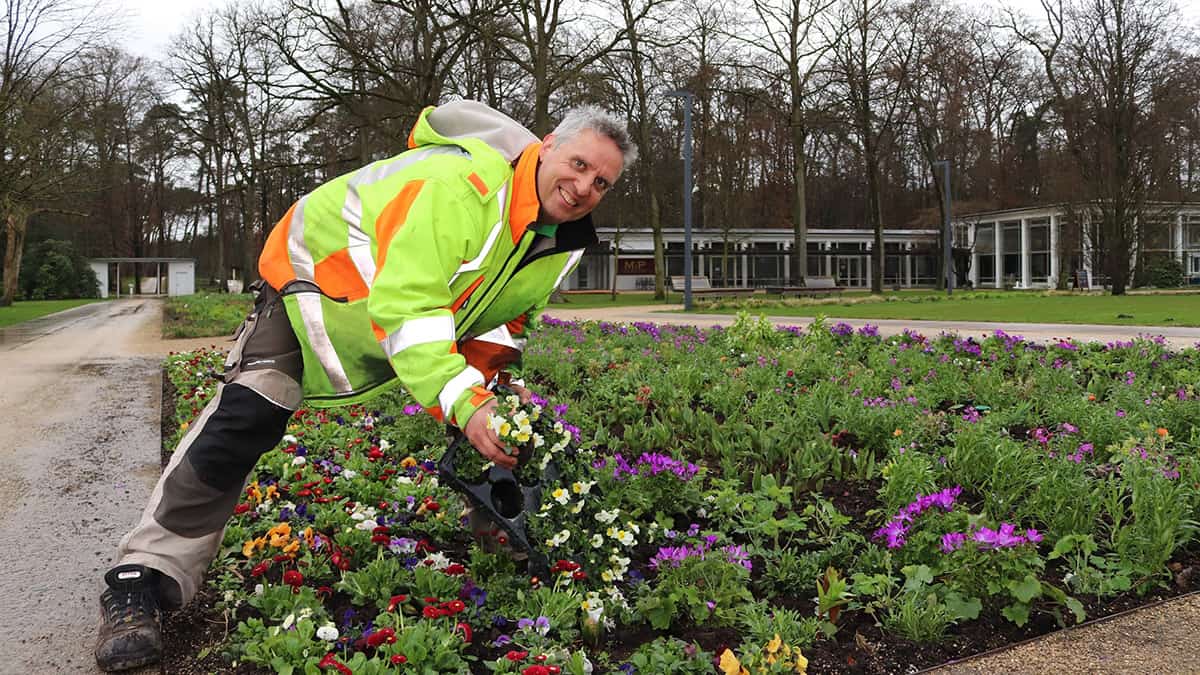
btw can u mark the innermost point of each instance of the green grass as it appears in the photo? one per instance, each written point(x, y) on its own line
point(1001, 306)
point(205, 314)
point(32, 309)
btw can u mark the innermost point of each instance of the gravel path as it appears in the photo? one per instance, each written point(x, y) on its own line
point(1177, 336)
point(1160, 639)
point(80, 452)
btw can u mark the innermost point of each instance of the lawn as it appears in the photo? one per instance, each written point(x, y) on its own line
point(32, 309)
point(753, 496)
point(205, 314)
point(1005, 307)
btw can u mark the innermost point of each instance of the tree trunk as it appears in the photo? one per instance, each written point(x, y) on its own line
point(799, 206)
point(17, 221)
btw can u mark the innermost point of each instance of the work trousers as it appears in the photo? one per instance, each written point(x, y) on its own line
point(182, 526)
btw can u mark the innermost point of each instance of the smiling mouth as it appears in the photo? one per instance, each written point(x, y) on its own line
point(567, 198)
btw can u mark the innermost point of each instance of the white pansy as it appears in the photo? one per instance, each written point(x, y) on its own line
point(299, 460)
point(561, 496)
point(559, 539)
point(259, 589)
point(328, 633)
point(349, 473)
point(384, 444)
point(582, 488)
point(607, 517)
point(597, 541)
point(290, 439)
point(437, 561)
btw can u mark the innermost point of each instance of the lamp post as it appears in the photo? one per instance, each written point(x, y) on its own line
point(948, 248)
point(687, 194)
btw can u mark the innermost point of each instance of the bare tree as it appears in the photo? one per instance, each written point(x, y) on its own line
point(1109, 63)
point(43, 40)
point(866, 58)
point(797, 48)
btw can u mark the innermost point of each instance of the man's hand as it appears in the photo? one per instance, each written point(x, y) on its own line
point(524, 394)
point(485, 440)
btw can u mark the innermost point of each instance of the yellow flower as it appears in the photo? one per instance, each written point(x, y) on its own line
point(292, 547)
point(183, 427)
point(898, 432)
point(408, 462)
point(801, 663)
point(730, 665)
point(280, 535)
point(271, 493)
point(253, 544)
point(774, 645)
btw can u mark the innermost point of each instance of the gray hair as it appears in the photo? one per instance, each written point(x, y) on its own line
point(602, 122)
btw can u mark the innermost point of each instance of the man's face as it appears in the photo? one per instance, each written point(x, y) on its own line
point(573, 176)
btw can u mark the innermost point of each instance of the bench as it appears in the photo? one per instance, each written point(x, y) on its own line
point(812, 286)
point(702, 287)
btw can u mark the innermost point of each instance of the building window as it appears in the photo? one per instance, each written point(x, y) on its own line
point(985, 246)
point(1039, 251)
point(1011, 242)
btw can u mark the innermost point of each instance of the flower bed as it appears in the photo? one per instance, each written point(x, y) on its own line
point(743, 500)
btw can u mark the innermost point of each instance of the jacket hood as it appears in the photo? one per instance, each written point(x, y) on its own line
point(462, 122)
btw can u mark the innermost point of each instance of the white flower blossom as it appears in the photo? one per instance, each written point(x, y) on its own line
point(299, 460)
point(608, 517)
point(559, 539)
point(328, 633)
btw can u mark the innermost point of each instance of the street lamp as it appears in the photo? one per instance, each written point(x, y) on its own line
point(948, 248)
point(687, 194)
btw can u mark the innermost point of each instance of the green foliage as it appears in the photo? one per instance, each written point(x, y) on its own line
point(205, 314)
point(671, 656)
point(1160, 270)
point(52, 269)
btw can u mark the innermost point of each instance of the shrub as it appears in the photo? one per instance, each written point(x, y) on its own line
point(54, 270)
point(1161, 271)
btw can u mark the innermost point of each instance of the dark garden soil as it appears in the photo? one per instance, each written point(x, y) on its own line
point(194, 636)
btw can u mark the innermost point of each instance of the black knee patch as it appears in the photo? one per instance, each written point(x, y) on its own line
point(242, 428)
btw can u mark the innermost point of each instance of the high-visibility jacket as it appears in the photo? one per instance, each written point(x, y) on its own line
point(422, 269)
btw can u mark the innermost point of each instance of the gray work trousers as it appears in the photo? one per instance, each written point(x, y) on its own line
point(182, 526)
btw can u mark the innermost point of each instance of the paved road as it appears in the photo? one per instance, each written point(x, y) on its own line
point(79, 443)
point(1178, 337)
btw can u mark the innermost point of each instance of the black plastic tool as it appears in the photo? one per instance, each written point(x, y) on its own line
point(503, 498)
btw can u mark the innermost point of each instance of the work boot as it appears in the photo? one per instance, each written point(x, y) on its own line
point(129, 634)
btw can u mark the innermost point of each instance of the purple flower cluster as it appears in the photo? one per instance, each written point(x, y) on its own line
point(654, 463)
point(841, 329)
point(989, 540)
point(869, 330)
point(897, 527)
point(970, 415)
point(673, 556)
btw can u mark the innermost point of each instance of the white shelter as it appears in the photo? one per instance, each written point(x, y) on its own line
point(170, 276)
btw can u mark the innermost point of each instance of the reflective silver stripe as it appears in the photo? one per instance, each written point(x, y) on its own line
point(498, 335)
point(359, 243)
point(571, 263)
point(468, 378)
point(318, 340)
point(302, 262)
point(420, 331)
point(519, 344)
point(385, 168)
point(477, 262)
